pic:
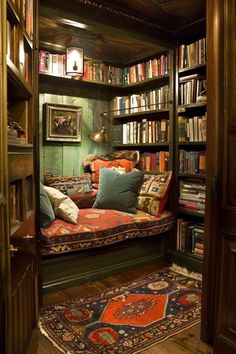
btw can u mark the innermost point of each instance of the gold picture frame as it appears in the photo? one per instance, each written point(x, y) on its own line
point(62, 123)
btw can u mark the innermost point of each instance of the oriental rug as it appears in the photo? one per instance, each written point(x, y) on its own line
point(125, 319)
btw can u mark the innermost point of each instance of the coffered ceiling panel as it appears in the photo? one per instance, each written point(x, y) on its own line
point(118, 31)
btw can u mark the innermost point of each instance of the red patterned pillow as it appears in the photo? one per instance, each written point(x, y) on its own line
point(78, 188)
point(85, 200)
point(153, 193)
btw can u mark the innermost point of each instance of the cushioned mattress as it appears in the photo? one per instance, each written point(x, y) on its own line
point(99, 227)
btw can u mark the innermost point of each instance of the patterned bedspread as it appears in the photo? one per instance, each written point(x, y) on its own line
point(99, 227)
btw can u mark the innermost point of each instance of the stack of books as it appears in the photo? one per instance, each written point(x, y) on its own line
point(190, 237)
point(192, 195)
point(198, 239)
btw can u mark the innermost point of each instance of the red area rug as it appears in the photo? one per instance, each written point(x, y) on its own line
point(125, 319)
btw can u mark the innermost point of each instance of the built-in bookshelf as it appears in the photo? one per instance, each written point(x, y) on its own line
point(143, 120)
point(18, 115)
point(53, 63)
point(191, 125)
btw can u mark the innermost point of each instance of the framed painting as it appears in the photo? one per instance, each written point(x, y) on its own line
point(62, 123)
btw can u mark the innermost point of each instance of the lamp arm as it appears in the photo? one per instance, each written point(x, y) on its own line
point(109, 113)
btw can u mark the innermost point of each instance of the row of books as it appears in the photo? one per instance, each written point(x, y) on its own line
point(192, 54)
point(192, 196)
point(146, 70)
point(190, 237)
point(192, 129)
point(142, 102)
point(198, 239)
point(141, 132)
point(192, 88)
point(192, 162)
point(154, 162)
point(55, 64)
point(98, 71)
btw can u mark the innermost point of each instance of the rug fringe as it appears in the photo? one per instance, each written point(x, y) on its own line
point(184, 271)
point(44, 332)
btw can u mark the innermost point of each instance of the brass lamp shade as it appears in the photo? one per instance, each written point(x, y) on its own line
point(100, 136)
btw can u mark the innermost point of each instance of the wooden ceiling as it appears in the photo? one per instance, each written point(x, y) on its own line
point(119, 31)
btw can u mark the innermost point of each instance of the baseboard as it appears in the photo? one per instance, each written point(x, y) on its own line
point(99, 273)
point(72, 269)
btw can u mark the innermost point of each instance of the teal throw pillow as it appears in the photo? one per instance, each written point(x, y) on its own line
point(118, 191)
point(47, 214)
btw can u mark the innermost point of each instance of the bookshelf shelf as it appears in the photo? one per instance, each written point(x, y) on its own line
point(192, 143)
point(21, 148)
point(194, 68)
point(19, 87)
point(186, 175)
point(160, 144)
point(146, 84)
point(192, 213)
point(120, 89)
point(12, 12)
point(183, 108)
point(149, 113)
point(46, 76)
point(85, 88)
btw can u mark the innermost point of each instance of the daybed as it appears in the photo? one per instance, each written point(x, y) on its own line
point(103, 240)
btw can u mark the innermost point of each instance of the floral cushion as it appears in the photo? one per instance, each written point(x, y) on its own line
point(99, 227)
point(153, 193)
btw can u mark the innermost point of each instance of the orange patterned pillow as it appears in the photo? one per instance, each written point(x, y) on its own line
point(97, 164)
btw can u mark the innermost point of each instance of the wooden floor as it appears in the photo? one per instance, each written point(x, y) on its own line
point(187, 342)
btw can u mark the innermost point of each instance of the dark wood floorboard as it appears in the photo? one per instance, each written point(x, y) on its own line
point(187, 342)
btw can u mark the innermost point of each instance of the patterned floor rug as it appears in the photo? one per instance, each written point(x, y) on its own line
point(125, 319)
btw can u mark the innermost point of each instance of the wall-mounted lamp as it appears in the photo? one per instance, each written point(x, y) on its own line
point(100, 136)
point(74, 61)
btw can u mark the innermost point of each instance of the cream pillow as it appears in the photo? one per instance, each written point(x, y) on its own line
point(62, 205)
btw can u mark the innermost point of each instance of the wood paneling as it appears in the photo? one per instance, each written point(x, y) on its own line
point(20, 165)
point(23, 308)
point(219, 310)
point(5, 297)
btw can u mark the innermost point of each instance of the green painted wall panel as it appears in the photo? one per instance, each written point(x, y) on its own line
point(64, 158)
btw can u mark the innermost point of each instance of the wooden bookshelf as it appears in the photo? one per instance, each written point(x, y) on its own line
point(191, 118)
point(18, 115)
